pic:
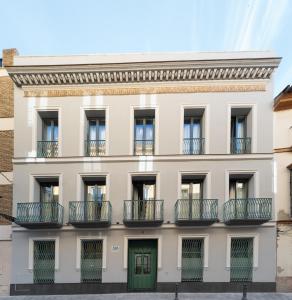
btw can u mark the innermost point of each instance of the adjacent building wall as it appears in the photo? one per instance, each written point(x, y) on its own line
point(6, 174)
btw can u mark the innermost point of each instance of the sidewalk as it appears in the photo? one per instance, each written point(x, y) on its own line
point(157, 296)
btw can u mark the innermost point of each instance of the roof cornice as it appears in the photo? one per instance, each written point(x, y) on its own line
point(123, 73)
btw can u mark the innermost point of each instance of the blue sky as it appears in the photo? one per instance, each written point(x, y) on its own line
point(57, 27)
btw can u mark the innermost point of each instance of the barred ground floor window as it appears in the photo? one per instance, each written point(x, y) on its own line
point(44, 262)
point(241, 259)
point(91, 260)
point(192, 260)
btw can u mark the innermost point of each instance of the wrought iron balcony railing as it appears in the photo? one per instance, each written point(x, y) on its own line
point(247, 211)
point(240, 145)
point(90, 213)
point(196, 211)
point(143, 212)
point(94, 147)
point(40, 214)
point(194, 146)
point(144, 147)
point(47, 149)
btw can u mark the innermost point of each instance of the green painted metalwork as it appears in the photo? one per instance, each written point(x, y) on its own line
point(142, 264)
point(90, 211)
point(95, 147)
point(143, 210)
point(44, 262)
point(196, 209)
point(248, 209)
point(91, 260)
point(39, 212)
point(241, 262)
point(47, 149)
point(192, 259)
point(194, 146)
point(240, 145)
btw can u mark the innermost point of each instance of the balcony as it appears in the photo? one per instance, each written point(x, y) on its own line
point(251, 211)
point(90, 213)
point(95, 148)
point(240, 145)
point(36, 215)
point(144, 147)
point(196, 212)
point(47, 149)
point(194, 146)
point(143, 213)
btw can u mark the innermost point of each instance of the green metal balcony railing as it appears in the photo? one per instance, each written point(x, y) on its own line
point(47, 149)
point(95, 147)
point(39, 214)
point(143, 212)
point(144, 147)
point(194, 146)
point(196, 211)
point(248, 211)
point(240, 145)
point(86, 213)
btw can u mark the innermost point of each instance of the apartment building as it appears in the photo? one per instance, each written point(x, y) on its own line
point(135, 172)
point(6, 175)
point(283, 192)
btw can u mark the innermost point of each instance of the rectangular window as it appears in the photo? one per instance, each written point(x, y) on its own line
point(144, 133)
point(44, 262)
point(241, 260)
point(192, 259)
point(91, 260)
point(96, 137)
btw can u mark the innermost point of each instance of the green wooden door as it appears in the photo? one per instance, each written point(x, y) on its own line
point(142, 264)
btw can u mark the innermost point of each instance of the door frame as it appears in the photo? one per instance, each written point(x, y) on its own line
point(157, 247)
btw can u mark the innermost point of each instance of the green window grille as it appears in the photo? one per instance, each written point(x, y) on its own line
point(44, 262)
point(91, 261)
point(192, 259)
point(241, 263)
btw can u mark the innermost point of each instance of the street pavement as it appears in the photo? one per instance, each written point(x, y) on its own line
point(158, 296)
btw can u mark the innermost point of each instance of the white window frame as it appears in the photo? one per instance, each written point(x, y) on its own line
point(83, 110)
point(254, 121)
point(37, 110)
point(157, 183)
point(255, 238)
point(90, 238)
point(205, 237)
point(207, 175)
point(254, 173)
point(206, 125)
point(143, 237)
point(156, 126)
point(31, 249)
point(79, 181)
point(32, 182)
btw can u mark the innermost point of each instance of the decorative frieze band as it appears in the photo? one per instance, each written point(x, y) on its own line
point(142, 89)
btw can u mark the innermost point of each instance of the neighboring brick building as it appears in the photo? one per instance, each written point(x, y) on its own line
point(6, 175)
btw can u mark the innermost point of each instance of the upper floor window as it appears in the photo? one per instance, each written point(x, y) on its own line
point(193, 141)
point(144, 132)
point(95, 190)
point(96, 133)
point(240, 131)
point(49, 191)
point(47, 145)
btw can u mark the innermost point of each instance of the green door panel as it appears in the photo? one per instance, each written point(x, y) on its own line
point(142, 264)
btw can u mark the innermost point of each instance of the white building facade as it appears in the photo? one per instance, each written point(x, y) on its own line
point(137, 172)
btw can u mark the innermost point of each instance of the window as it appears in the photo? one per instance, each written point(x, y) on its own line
point(193, 141)
point(44, 262)
point(241, 261)
point(91, 260)
point(96, 133)
point(192, 259)
point(47, 145)
point(240, 131)
point(144, 132)
point(238, 189)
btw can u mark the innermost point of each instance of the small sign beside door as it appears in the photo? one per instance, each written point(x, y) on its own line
point(115, 248)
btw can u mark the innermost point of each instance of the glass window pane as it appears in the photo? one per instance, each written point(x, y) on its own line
point(139, 129)
point(185, 191)
point(149, 191)
point(187, 129)
point(149, 134)
point(196, 191)
point(240, 127)
point(196, 129)
point(92, 130)
point(101, 130)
